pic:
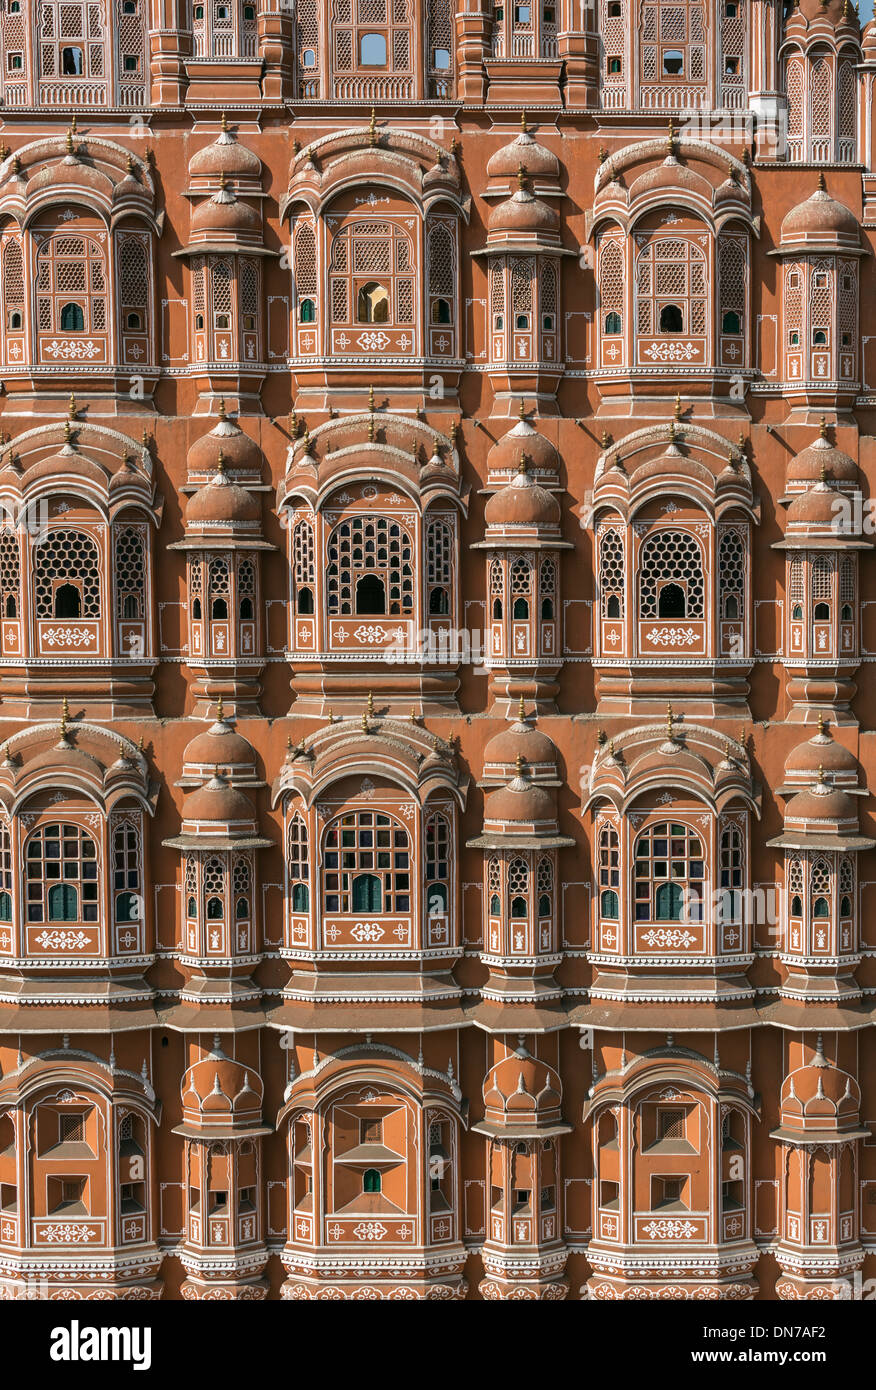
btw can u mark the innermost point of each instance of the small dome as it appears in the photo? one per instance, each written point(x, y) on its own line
point(520, 1089)
point(218, 805)
point(225, 157)
point(822, 459)
point(821, 755)
point(221, 501)
point(822, 809)
point(821, 220)
point(522, 502)
point(525, 441)
point(521, 803)
point(819, 1096)
point(223, 218)
point(670, 176)
point(819, 508)
point(522, 740)
point(239, 452)
point(219, 748)
point(523, 153)
point(219, 1091)
point(524, 215)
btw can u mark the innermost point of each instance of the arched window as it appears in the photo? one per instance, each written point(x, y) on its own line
point(66, 571)
point(298, 864)
point(129, 572)
point(133, 282)
point(820, 888)
point(732, 871)
point(371, 1180)
point(671, 287)
point(732, 550)
point(521, 578)
point(440, 555)
point(126, 872)
point(218, 587)
point(669, 873)
point(372, 46)
point(366, 864)
point(497, 588)
point(372, 278)
point(303, 567)
point(13, 284)
point(611, 285)
point(518, 888)
point(611, 574)
point(438, 842)
point(61, 874)
point(671, 560)
point(376, 550)
point(213, 889)
point(609, 872)
point(5, 873)
point(71, 284)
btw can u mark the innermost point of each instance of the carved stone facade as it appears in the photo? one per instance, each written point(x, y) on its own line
point(436, 623)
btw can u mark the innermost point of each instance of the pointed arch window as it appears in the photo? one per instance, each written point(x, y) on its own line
point(299, 864)
point(370, 567)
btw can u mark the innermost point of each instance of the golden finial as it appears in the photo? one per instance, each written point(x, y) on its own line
point(129, 162)
point(677, 407)
point(413, 715)
point(521, 710)
point(454, 431)
point(220, 709)
point(601, 737)
point(741, 738)
point(306, 441)
point(371, 399)
point(144, 438)
point(370, 704)
point(523, 126)
point(518, 763)
point(330, 715)
point(69, 142)
point(672, 432)
point(65, 717)
point(71, 406)
point(611, 752)
point(372, 129)
point(141, 744)
point(822, 428)
point(67, 431)
point(222, 414)
point(670, 722)
point(821, 772)
point(522, 411)
point(73, 125)
point(523, 465)
point(821, 723)
point(603, 154)
point(822, 186)
point(16, 165)
point(670, 138)
point(365, 723)
point(606, 438)
point(220, 463)
point(371, 429)
point(293, 423)
point(521, 176)
point(224, 123)
point(223, 181)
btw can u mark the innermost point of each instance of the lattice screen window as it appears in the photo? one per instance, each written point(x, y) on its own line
point(440, 47)
point(522, 292)
point(6, 879)
point(731, 574)
point(820, 586)
point(848, 305)
point(61, 875)
point(517, 885)
point(847, 102)
point(795, 86)
point(548, 289)
point(497, 295)
point(298, 863)
point(547, 587)
point(15, 46)
point(793, 305)
point(306, 283)
point(10, 573)
point(521, 584)
point(497, 587)
point(820, 888)
point(669, 873)
point(13, 284)
point(731, 868)
point(671, 560)
point(372, 275)
point(611, 285)
point(221, 277)
point(225, 28)
point(66, 574)
point(821, 302)
point(130, 31)
point(609, 872)
point(438, 841)
point(613, 33)
point(250, 293)
point(303, 566)
point(213, 889)
point(441, 272)
point(847, 587)
point(367, 864)
point(246, 588)
point(307, 46)
point(71, 285)
point(440, 550)
point(820, 99)
point(847, 885)
point(544, 884)
point(370, 569)
point(673, 42)
point(797, 586)
point(129, 572)
point(373, 35)
point(241, 880)
point(72, 40)
point(611, 574)
point(671, 287)
point(126, 871)
point(218, 586)
point(732, 56)
point(133, 283)
point(731, 285)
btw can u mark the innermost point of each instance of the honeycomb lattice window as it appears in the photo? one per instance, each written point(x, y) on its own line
point(731, 573)
point(307, 46)
point(61, 873)
point(611, 285)
point(129, 572)
point(370, 567)
point(671, 557)
point(795, 876)
point(671, 287)
point(71, 285)
point(303, 555)
point(611, 574)
point(13, 281)
point(10, 574)
point(305, 261)
point(73, 555)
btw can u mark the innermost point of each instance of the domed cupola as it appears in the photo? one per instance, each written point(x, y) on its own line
point(820, 1101)
point(223, 223)
point(538, 164)
point(241, 456)
point(821, 756)
point(221, 1099)
point(820, 460)
point(523, 222)
point(225, 159)
point(522, 740)
point(523, 506)
point(820, 223)
point(821, 817)
point(523, 1098)
point(220, 751)
point(523, 440)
